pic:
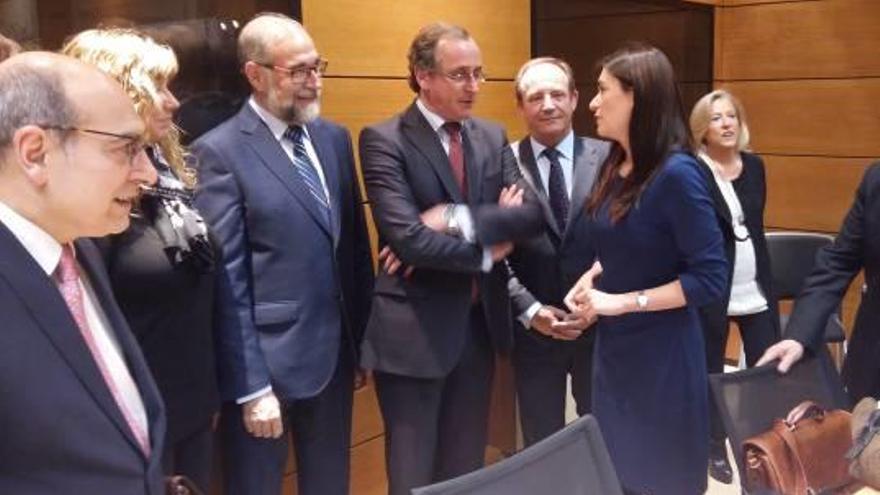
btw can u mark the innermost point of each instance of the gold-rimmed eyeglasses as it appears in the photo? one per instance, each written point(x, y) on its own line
point(464, 75)
point(300, 73)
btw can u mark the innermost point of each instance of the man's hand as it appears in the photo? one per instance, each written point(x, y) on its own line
point(571, 327)
point(389, 262)
point(434, 218)
point(787, 351)
point(262, 416)
point(511, 196)
point(361, 378)
point(500, 251)
point(544, 319)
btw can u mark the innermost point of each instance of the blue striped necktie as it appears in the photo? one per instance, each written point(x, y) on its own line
point(306, 170)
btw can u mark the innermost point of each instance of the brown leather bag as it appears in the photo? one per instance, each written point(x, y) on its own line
point(802, 454)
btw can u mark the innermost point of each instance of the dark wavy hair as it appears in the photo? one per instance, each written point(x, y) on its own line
point(657, 125)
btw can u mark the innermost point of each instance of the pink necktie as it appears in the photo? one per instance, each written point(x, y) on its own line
point(67, 278)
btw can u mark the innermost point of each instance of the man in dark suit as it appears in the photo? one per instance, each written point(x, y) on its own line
point(80, 413)
point(856, 247)
point(434, 177)
point(550, 344)
point(278, 186)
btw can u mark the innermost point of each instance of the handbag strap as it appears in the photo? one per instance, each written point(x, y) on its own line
point(804, 410)
point(784, 430)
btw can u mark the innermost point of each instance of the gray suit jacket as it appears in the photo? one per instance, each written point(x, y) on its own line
point(547, 266)
point(417, 324)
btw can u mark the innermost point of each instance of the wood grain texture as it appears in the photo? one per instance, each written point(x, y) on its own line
point(810, 193)
point(372, 38)
point(812, 117)
point(685, 37)
point(808, 39)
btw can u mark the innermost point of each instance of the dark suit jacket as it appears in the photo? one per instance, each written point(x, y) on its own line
point(417, 324)
point(856, 247)
point(751, 189)
point(61, 429)
point(547, 266)
point(293, 289)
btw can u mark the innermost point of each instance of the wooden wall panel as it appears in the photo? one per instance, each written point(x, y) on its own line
point(835, 117)
point(684, 35)
point(371, 38)
point(810, 193)
point(821, 39)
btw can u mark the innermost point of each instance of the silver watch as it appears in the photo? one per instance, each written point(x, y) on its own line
point(452, 226)
point(642, 301)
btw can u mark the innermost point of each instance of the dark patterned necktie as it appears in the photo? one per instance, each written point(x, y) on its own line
point(306, 170)
point(456, 156)
point(556, 190)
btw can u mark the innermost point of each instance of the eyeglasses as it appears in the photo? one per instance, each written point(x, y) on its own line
point(301, 73)
point(133, 147)
point(464, 75)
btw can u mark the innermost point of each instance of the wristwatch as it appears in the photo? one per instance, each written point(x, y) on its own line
point(642, 301)
point(452, 226)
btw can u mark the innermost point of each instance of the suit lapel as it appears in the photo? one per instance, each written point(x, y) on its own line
point(529, 167)
point(473, 161)
point(586, 165)
point(273, 157)
point(90, 260)
point(44, 302)
point(417, 130)
point(329, 164)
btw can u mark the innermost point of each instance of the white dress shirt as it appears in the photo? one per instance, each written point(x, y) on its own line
point(462, 212)
point(46, 251)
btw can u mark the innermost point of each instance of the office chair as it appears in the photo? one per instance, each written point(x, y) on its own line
point(572, 461)
point(749, 400)
point(792, 257)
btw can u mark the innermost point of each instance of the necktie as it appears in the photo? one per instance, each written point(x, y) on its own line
point(556, 190)
point(307, 171)
point(456, 156)
point(67, 278)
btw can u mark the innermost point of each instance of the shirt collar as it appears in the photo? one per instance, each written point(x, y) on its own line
point(45, 250)
point(565, 147)
point(276, 126)
point(434, 120)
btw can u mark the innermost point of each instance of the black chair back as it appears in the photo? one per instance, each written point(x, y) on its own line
point(792, 257)
point(572, 461)
point(749, 400)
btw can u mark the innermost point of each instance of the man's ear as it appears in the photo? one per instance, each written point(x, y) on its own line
point(30, 148)
point(422, 77)
point(254, 75)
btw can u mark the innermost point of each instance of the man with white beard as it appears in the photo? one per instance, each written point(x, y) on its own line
point(277, 185)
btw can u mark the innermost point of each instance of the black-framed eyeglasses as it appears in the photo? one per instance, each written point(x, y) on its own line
point(464, 75)
point(133, 147)
point(300, 73)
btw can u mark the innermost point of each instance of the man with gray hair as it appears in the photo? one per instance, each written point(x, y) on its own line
point(278, 186)
point(81, 413)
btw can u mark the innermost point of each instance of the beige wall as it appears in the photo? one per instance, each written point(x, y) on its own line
point(809, 76)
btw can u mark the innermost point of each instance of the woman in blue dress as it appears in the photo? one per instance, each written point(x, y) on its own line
point(660, 257)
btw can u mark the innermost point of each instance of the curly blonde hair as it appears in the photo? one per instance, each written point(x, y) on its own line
point(143, 67)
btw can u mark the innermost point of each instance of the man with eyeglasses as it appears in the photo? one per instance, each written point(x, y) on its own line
point(434, 176)
point(81, 412)
point(277, 184)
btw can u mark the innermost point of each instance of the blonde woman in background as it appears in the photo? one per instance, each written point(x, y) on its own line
point(162, 267)
point(739, 190)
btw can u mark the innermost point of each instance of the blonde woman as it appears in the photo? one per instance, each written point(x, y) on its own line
point(739, 191)
point(162, 267)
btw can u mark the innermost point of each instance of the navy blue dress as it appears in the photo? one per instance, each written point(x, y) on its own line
point(649, 380)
